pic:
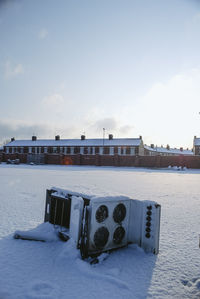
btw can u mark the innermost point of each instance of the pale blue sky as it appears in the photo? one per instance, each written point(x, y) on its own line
point(68, 67)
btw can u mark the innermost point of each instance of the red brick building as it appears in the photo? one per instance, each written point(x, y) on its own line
point(100, 152)
point(36, 149)
point(165, 151)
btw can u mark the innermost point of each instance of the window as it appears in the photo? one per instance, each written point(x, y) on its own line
point(133, 151)
point(89, 150)
point(106, 150)
point(115, 150)
point(25, 149)
point(128, 150)
point(77, 150)
point(85, 150)
point(96, 150)
point(50, 150)
point(68, 150)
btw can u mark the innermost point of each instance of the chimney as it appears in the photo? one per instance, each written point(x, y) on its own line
point(57, 137)
point(140, 137)
point(82, 137)
point(168, 147)
point(12, 139)
point(110, 136)
point(34, 138)
point(152, 145)
point(181, 149)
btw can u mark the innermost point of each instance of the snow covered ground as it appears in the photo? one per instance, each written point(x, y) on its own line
point(54, 269)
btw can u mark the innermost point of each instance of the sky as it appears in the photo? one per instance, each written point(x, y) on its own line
point(73, 67)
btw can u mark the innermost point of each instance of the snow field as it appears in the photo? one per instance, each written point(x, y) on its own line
point(54, 269)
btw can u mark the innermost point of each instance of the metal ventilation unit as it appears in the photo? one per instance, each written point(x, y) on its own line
point(108, 221)
point(99, 224)
point(58, 208)
point(144, 225)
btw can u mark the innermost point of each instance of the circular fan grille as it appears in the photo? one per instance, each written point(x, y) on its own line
point(101, 213)
point(118, 235)
point(119, 213)
point(101, 237)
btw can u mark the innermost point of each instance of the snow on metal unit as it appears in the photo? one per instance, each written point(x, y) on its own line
point(76, 218)
point(101, 224)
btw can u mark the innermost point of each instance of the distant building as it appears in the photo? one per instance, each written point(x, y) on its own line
point(196, 146)
point(83, 146)
point(1, 153)
point(154, 150)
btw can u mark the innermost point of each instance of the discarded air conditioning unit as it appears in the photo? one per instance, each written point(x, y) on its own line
point(101, 224)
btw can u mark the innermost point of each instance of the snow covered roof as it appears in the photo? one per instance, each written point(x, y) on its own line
point(174, 151)
point(196, 141)
point(78, 142)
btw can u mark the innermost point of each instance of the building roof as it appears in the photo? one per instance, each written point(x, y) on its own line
point(173, 151)
point(196, 141)
point(77, 142)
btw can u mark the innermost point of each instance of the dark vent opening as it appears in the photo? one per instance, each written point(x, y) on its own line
point(60, 211)
point(101, 213)
point(118, 235)
point(101, 237)
point(119, 213)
